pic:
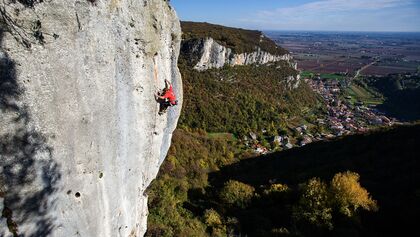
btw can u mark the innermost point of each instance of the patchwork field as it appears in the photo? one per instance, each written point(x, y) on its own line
point(345, 52)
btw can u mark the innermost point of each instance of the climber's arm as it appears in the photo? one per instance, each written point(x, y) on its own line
point(157, 96)
point(167, 84)
point(162, 97)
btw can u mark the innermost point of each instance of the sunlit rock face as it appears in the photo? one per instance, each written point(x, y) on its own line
point(211, 54)
point(205, 54)
point(80, 134)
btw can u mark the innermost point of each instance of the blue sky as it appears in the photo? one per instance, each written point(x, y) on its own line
point(327, 15)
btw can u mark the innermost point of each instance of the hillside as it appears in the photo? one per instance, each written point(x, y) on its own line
point(239, 40)
point(199, 167)
point(386, 160)
point(206, 46)
point(213, 183)
point(401, 95)
point(245, 99)
point(395, 95)
point(222, 106)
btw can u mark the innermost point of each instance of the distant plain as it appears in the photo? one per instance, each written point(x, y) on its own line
point(347, 52)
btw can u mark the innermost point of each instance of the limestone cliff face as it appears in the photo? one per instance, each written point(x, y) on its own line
point(211, 54)
point(80, 134)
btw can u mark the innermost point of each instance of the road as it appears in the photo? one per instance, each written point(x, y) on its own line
point(364, 68)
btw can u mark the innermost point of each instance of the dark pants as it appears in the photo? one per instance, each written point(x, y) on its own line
point(163, 106)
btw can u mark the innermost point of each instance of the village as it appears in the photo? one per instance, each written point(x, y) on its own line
point(343, 118)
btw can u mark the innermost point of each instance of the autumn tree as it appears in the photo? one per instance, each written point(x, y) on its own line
point(314, 206)
point(237, 194)
point(214, 221)
point(349, 195)
point(319, 201)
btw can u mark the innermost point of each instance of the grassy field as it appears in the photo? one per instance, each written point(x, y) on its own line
point(359, 93)
point(309, 74)
point(227, 136)
point(332, 76)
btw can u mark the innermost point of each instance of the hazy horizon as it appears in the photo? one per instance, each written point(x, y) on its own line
point(395, 16)
point(336, 31)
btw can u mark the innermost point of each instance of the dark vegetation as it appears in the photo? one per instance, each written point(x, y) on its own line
point(386, 161)
point(221, 105)
point(208, 189)
point(401, 94)
point(239, 40)
point(192, 156)
point(212, 184)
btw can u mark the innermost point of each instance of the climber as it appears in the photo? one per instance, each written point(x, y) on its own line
point(166, 98)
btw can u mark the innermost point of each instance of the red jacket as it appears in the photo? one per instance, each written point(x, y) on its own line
point(170, 95)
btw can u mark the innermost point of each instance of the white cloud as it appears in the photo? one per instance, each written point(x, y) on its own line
point(337, 15)
point(325, 6)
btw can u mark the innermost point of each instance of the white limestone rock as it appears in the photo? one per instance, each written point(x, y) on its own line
point(213, 55)
point(80, 134)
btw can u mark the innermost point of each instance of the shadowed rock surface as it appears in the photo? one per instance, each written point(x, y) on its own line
point(80, 134)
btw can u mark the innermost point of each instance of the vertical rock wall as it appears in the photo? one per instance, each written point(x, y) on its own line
point(80, 134)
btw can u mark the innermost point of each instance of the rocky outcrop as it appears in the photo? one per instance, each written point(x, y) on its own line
point(293, 82)
point(80, 134)
point(210, 54)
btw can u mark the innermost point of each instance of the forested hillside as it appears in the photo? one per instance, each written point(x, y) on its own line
point(239, 40)
point(245, 99)
point(213, 183)
point(401, 94)
point(221, 108)
point(361, 185)
point(386, 161)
